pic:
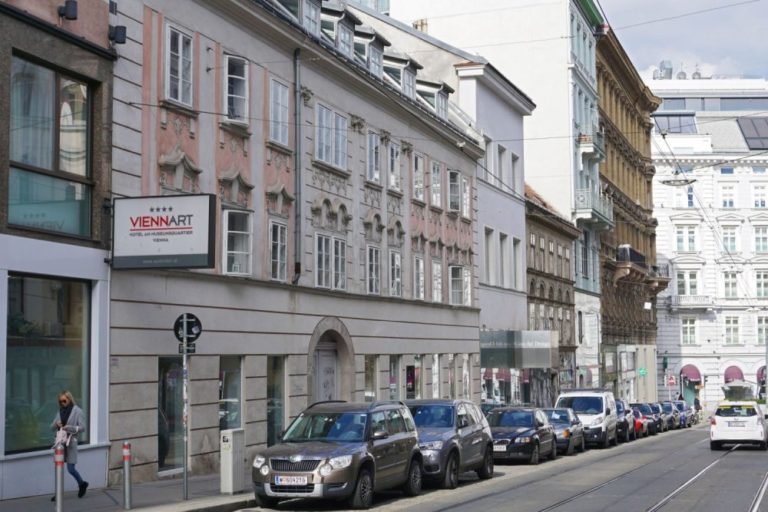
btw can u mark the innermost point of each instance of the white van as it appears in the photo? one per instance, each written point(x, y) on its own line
point(738, 422)
point(596, 408)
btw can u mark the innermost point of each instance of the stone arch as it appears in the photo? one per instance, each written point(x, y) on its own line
point(331, 330)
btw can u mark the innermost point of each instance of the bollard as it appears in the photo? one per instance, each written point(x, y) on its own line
point(127, 489)
point(58, 461)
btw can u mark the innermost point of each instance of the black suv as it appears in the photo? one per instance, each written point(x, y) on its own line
point(625, 421)
point(454, 437)
point(522, 432)
point(341, 450)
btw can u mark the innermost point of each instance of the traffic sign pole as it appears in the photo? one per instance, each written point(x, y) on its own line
point(185, 396)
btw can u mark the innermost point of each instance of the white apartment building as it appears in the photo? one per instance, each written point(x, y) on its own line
point(713, 232)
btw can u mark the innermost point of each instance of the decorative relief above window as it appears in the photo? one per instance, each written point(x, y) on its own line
point(178, 173)
point(357, 123)
point(278, 200)
point(306, 96)
point(330, 215)
point(395, 233)
point(372, 196)
point(329, 182)
point(234, 189)
point(373, 226)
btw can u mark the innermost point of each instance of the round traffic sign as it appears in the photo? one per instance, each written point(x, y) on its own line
point(194, 327)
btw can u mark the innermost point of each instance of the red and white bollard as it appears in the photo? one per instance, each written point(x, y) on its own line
point(58, 461)
point(127, 490)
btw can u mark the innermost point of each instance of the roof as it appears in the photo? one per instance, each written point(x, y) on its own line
point(342, 406)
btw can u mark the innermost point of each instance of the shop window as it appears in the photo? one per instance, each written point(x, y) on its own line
point(230, 393)
point(371, 369)
point(394, 377)
point(275, 398)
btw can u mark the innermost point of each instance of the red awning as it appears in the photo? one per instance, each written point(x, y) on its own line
point(733, 373)
point(501, 374)
point(761, 375)
point(691, 372)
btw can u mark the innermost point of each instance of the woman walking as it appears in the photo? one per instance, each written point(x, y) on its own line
point(69, 422)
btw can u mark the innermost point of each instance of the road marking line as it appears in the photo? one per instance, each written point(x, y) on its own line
point(680, 489)
point(759, 496)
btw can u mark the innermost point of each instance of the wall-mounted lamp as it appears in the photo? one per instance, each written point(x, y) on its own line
point(117, 34)
point(68, 11)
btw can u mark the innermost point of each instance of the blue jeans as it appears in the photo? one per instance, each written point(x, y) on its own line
point(72, 471)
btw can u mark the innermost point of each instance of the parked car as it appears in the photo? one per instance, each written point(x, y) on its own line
point(486, 407)
point(684, 409)
point(568, 430)
point(454, 437)
point(654, 426)
point(738, 422)
point(341, 450)
point(625, 422)
point(522, 433)
point(661, 418)
point(642, 423)
point(673, 415)
point(596, 409)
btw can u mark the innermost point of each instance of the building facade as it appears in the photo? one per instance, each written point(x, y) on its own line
point(563, 144)
point(709, 196)
point(550, 296)
point(630, 276)
point(346, 208)
point(54, 282)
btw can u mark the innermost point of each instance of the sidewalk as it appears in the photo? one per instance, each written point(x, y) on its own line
point(158, 496)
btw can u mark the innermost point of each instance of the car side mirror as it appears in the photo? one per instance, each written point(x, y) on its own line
point(607, 412)
point(766, 416)
point(463, 422)
point(575, 422)
point(380, 434)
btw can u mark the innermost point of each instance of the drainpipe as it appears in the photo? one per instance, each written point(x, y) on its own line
point(297, 169)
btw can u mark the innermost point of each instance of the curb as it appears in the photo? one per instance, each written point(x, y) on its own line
point(229, 506)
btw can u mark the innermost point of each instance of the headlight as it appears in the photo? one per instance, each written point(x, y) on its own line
point(340, 462)
point(566, 433)
point(264, 470)
point(259, 461)
point(597, 421)
point(432, 445)
point(325, 470)
point(522, 440)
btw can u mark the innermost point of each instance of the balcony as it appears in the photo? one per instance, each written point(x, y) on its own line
point(592, 207)
point(690, 302)
point(591, 142)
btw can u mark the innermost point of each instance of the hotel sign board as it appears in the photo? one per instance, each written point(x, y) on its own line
point(164, 232)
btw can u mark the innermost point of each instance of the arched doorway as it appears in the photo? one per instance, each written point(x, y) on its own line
point(690, 377)
point(330, 362)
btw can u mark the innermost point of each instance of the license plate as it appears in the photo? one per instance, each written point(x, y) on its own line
point(290, 480)
point(736, 423)
point(499, 447)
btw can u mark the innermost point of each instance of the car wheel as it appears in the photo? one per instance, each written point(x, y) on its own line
point(363, 496)
point(627, 436)
point(714, 445)
point(583, 445)
point(451, 476)
point(412, 486)
point(534, 456)
point(265, 501)
point(764, 446)
point(486, 470)
point(615, 441)
point(553, 453)
point(606, 441)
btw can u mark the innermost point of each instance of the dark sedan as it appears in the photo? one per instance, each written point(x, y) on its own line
point(662, 417)
point(625, 422)
point(673, 415)
point(568, 429)
point(522, 433)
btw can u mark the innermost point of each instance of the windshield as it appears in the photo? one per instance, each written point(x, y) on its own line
point(656, 408)
point(619, 407)
point(345, 427)
point(558, 416)
point(432, 416)
point(582, 404)
point(667, 408)
point(645, 409)
point(681, 406)
point(636, 413)
point(510, 419)
point(735, 411)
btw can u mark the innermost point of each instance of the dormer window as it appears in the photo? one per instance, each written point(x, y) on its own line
point(409, 83)
point(345, 41)
point(441, 105)
point(375, 60)
point(312, 17)
point(435, 94)
point(395, 73)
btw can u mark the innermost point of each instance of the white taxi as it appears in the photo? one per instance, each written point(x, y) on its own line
point(738, 422)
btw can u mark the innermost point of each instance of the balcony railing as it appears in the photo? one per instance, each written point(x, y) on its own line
point(626, 254)
point(592, 141)
point(690, 301)
point(661, 270)
point(592, 206)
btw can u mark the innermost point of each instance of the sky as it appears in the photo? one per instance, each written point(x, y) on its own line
point(728, 41)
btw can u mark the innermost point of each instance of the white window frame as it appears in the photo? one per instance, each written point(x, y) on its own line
point(730, 285)
point(686, 239)
point(761, 283)
point(436, 185)
point(730, 239)
point(761, 239)
point(331, 137)
point(339, 258)
point(373, 270)
point(394, 169)
point(346, 40)
point(282, 251)
point(278, 112)
point(409, 83)
point(375, 61)
point(395, 274)
point(437, 281)
point(731, 333)
point(418, 278)
point(170, 32)
point(690, 281)
point(441, 105)
point(311, 15)
point(334, 277)
point(418, 177)
point(465, 198)
point(727, 195)
point(245, 78)
point(762, 329)
point(373, 160)
point(454, 191)
point(459, 275)
point(759, 195)
point(249, 245)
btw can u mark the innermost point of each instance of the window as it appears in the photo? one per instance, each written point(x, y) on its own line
point(418, 278)
point(373, 270)
point(395, 173)
point(501, 157)
point(437, 281)
point(278, 112)
point(435, 185)
point(513, 265)
point(460, 285)
point(727, 195)
point(465, 191)
point(685, 197)
point(761, 283)
point(375, 61)
point(230, 393)
point(762, 329)
point(331, 137)
point(454, 191)
point(729, 239)
point(346, 41)
point(504, 261)
point(567, 274)
point(46, 316)
point(49, 187)
point(373, 157)
point(394, 377)
point(726, 170)
point(731, 330)
point(418, 177)
point(371, 380)
point(275, 398)
point(409, 83)
point(686, 238)
point(331, 261)
point(761, 239)
point(237, 242)
point(687, 282)
point(441, 105)
point(685, 123)
point(311, 17)
point(435, 376)
point(489, 261)
point(277, 250)
point(395, 274)
point(758, 170)
point(759, 195)
point(178, 64)
point(729, 285)
point(236, 87)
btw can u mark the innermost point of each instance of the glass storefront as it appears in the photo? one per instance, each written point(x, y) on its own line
point(451, 376)
point(370, 378)
point(275, 398)
point(394, 377)
point(48, 351)
point(230, 393)
point(170, 410)
point(466, 384)
point(413, 379)
point(435, 376)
